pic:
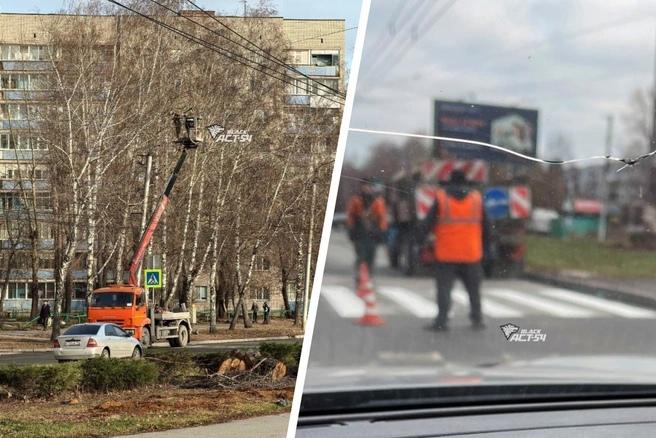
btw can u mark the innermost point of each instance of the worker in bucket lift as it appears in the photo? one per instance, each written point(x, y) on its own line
point(457, 220)
point(366, 222)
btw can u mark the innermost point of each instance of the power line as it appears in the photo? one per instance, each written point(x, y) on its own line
point(324, 34)
point(405, 46)
point(230, 55)
point(384, 52)
point(403, 50)
point(545, 42)
point(280, 61)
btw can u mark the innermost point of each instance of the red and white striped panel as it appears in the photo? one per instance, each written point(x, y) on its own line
point(424, 199)
point(440, 170)
point(520, 202)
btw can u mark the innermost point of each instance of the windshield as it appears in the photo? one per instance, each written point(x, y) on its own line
point(112, 299)
point(82, 329)
point(480, 235)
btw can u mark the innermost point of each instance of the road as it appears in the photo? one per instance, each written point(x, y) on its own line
point(43, 357)
point(574, 323)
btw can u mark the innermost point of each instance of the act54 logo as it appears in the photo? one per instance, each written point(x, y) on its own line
point(514, 333)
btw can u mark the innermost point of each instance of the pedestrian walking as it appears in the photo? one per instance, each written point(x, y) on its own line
point(44, 315)
point(457, 220)
point(366, 223)
point(267, 310)
point(254, 309)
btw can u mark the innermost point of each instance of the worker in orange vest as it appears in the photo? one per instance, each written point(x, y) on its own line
point(366, 222)
point(457, 220)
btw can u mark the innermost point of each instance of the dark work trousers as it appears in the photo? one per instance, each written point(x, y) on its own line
point(365, 251)
point(471, 275)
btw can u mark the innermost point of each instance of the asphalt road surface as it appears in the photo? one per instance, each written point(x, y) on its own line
point(574, 323)
point(44, 357)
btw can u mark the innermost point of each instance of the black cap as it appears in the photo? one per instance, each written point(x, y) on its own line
point(458, 177)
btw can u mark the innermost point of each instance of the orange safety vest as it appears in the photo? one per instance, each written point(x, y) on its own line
point(459, 231)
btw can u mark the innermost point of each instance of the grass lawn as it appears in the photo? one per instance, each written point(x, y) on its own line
point(135, 411)
point(552, 255)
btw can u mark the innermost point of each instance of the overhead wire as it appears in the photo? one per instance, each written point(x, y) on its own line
point(324, 34)
point(263, 52)
point(224, 52)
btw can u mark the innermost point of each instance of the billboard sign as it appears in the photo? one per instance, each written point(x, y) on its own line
point(512, 128)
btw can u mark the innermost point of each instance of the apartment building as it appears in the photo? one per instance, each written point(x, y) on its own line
point(316, 49)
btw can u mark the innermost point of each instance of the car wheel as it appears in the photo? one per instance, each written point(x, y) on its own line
point(105, 354)
point(145, 337)
point(183, 337)
point(136, 353)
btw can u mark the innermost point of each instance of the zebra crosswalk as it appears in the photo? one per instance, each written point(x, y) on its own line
point(512, 301)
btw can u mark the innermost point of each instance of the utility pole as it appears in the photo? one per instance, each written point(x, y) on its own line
point(245, 2)
point(602, 231)
point(308, 265)
point(651, 172)
point(144, 211)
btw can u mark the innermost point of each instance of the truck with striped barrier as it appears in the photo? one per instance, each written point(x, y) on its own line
point(507, 203)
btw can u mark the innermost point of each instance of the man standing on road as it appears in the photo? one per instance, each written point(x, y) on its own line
point(458, 222)
point(366, 222)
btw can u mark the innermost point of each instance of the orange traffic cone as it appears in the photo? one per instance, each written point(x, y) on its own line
point(366, 292)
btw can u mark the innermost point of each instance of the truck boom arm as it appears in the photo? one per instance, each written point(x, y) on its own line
point(138, 256)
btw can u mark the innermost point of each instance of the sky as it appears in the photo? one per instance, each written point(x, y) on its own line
point(575, 61)
point(346, 9)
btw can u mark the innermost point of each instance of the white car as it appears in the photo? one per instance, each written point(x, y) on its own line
point(89, 340)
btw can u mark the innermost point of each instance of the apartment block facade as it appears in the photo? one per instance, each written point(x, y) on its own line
point(316, 48)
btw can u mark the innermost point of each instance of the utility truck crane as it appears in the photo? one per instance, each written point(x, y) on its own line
point(128, 305)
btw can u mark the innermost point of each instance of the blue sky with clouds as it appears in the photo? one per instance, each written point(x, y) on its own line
point(576, 61)
point(346, 9)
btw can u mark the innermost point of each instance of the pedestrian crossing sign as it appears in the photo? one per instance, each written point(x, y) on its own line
point(153, 278)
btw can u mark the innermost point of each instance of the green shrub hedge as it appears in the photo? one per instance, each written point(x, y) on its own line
point(41, 380)
point(114, 374)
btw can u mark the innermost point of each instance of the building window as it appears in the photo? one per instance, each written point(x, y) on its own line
point(320, 59)
point(7, 141)
point(13, 52)
point(299, 57)
point(201, 293)
point(319, 90)
point(260, 293)
point(46, 290)
point(43, 201)
point(262, 264)
point(17, 291)
point(298, 87)
point(79, 291)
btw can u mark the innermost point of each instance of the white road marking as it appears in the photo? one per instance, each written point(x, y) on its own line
point(344, 300)
point(411, 301)
point(561, 303)
point(490, 308)
point(610, 306)
point(545, 305)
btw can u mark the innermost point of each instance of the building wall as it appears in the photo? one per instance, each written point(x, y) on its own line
point(304, 37)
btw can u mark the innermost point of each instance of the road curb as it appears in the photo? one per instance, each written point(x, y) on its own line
point(589, 289)
point(165, 344)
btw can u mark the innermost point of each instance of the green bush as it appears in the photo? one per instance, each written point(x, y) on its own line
point(174, 365)
point(41, 380)
point(114, 374)
point(289, 354)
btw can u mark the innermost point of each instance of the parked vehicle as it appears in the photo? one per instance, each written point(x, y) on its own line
point(86, 341)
